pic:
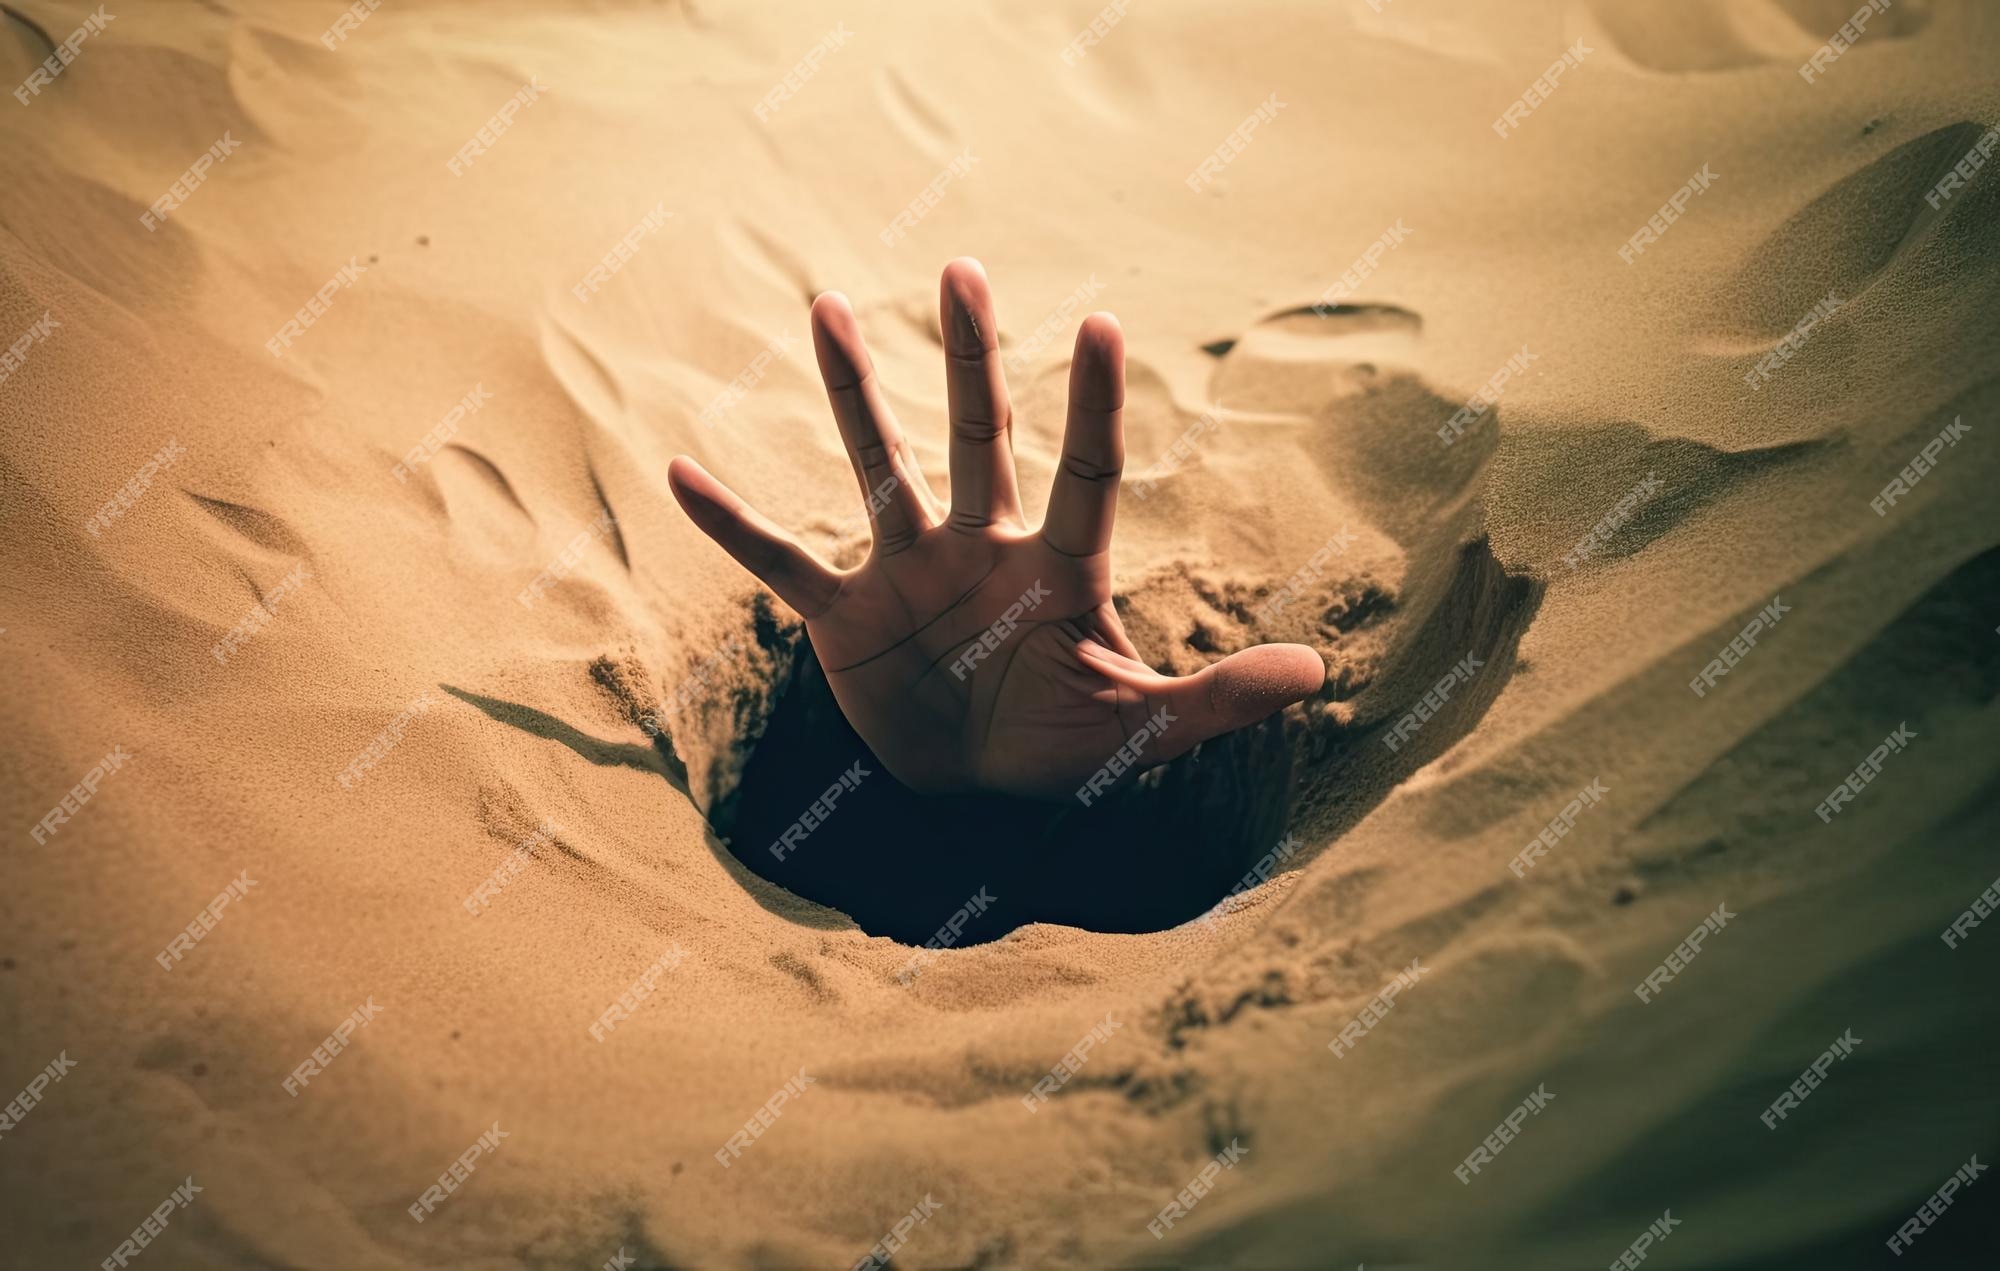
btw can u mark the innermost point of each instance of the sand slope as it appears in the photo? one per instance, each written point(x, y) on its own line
point(534, 715)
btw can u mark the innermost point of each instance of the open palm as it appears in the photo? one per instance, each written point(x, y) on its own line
point(969, 651)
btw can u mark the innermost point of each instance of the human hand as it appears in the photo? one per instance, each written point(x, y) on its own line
point(967, 650)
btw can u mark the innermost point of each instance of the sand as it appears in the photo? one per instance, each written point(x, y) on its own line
point(352, 693)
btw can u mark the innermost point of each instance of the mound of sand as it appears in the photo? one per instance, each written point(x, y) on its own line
point(337, 520)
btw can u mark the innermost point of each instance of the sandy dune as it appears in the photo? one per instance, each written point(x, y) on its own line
point(336, 514)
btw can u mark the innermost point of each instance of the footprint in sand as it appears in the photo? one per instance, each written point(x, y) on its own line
point(1854, 235)
point(272, 533)
point(257, 544)
point(1867, 254)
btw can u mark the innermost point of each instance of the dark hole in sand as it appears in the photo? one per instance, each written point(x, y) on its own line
point(1160, 850)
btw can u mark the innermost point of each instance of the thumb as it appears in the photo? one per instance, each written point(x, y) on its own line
point(1222, 697)
point(1240, 690)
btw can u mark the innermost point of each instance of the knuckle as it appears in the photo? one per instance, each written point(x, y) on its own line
point(1095, 468)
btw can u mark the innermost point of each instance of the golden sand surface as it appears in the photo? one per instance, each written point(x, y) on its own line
point(340, 570)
